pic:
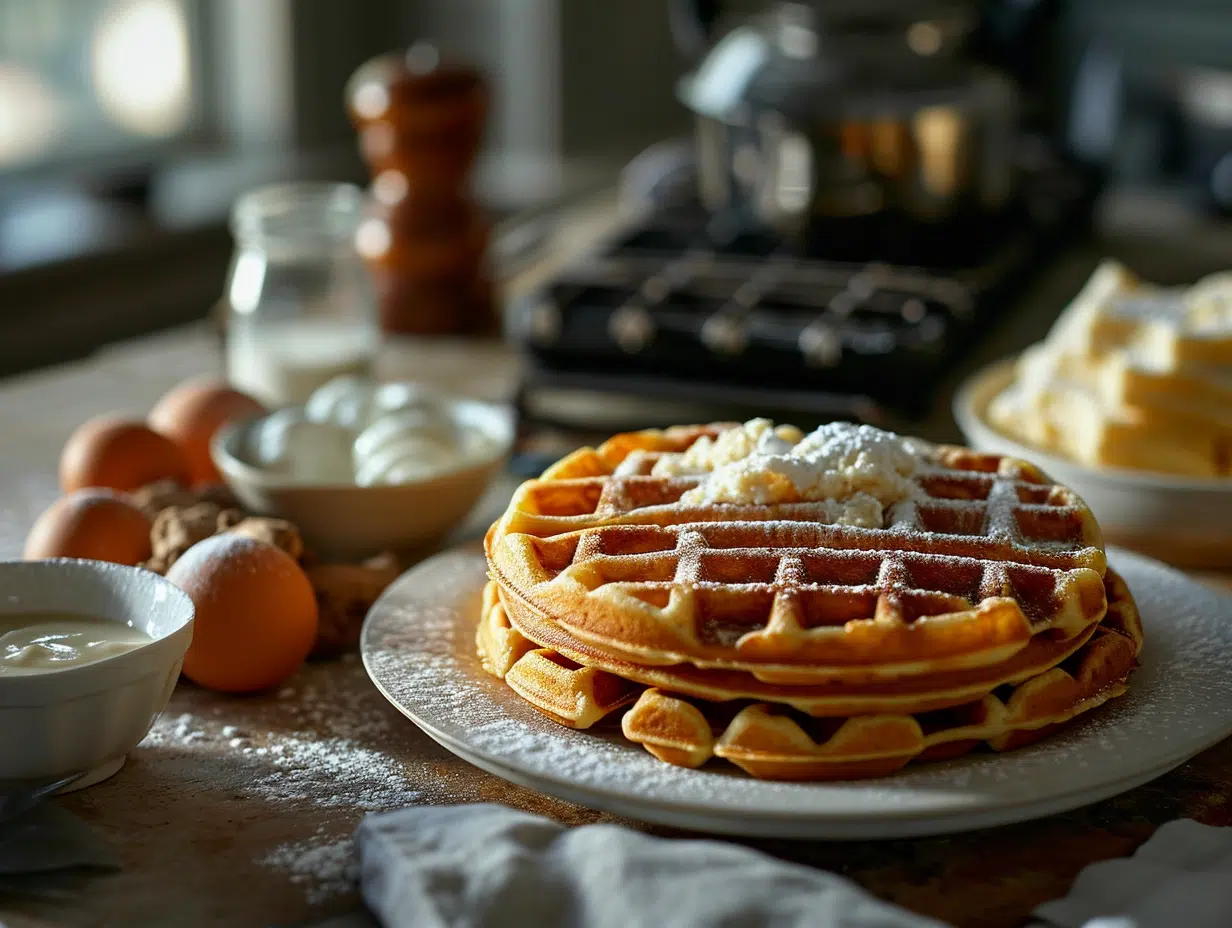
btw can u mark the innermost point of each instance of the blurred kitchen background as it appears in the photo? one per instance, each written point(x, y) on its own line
point(827, 204)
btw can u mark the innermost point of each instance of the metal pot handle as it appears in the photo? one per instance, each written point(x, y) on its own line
point(692, 23)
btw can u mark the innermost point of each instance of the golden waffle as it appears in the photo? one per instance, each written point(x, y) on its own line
point(560, 688)
point(776, 742)
point(504, 637)
point(993, 555)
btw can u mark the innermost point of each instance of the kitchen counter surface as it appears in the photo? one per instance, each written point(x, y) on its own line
point(238, 811)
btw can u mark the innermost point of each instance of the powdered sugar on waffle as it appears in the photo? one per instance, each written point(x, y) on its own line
point(857, 471)
point(755, 437)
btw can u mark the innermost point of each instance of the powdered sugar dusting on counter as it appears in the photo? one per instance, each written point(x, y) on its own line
point(268, 790)
point(322, 761)
point(323, 867)
point(418, 647)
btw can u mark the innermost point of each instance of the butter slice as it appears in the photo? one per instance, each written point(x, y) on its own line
point(1131, 375)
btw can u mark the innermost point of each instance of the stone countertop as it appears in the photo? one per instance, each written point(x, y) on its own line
point(238, 811)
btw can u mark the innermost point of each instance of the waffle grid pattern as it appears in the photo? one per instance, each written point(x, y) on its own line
point(508, 633)
point(992, 554)
point(774, 742)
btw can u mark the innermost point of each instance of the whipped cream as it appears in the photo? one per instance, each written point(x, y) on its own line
point(857, 471)
point(707, 454)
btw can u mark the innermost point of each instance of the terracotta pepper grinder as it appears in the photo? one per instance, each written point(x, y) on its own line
point(420, 123)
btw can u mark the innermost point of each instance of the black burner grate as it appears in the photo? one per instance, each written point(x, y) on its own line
point(679, 299)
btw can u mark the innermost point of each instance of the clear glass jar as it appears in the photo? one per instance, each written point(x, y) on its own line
point(300, 307)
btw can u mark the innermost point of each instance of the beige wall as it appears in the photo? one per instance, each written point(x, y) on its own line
point(571, 77)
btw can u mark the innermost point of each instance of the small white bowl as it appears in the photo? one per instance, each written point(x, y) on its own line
point(84, 720)
point(1184, 521)
point(350, 522)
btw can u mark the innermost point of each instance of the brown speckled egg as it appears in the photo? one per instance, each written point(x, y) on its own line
point(120, 454)
point(191, 413)
point(92, 523)
point(256, 613)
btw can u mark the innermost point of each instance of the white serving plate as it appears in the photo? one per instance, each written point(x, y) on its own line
point(1184, 521)
point(82, 721)
point(418, 648)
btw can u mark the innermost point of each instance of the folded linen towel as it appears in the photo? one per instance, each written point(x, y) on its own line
point(488, 866)
point(49, 852)
point(1182, 876)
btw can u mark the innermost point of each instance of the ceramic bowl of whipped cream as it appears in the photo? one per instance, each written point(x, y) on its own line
point(364, 467)
point(1128, 401)
point(89, 655)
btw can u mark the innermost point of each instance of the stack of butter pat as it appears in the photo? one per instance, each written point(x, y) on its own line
point(1131, 376)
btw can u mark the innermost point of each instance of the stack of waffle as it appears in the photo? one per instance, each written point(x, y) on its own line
point(1131, 375)
point(979, 611)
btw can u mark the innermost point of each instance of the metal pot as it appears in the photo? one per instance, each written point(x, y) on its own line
point(802, 118)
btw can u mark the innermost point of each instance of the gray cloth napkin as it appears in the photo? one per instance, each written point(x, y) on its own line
point(488, 866)
point(1182, 876)
point(48, 851)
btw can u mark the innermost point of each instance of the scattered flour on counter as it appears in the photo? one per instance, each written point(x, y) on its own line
point(332, 772)
point(322, 752)
point(300, 766)
point(184, 729)
point(322, 867)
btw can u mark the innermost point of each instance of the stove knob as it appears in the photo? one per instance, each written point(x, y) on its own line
point(657, 288)
point(724, 335)
point(631, 328)
point(543, 323)
point(913, 310)
point(820, 345)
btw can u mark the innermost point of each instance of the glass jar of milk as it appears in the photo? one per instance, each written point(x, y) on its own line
point(299, 301)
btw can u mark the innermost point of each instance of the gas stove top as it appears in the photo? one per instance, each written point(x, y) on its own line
point(861, 320)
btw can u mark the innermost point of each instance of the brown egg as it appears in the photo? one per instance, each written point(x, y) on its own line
point(191, 413)
point(93, 523)
point(256, 613)
point(120, 454)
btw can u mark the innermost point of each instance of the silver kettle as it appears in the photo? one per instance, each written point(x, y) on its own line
point(809, 113)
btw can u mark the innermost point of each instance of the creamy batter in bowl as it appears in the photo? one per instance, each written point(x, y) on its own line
point(47, 642)
point(65, 714)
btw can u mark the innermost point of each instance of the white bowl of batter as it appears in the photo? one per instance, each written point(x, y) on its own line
point(89, 655)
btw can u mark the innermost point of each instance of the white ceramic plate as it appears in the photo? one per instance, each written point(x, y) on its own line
point(418, 647)
point(1182, 520)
